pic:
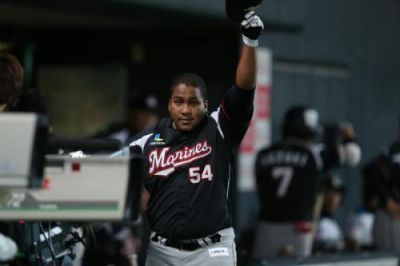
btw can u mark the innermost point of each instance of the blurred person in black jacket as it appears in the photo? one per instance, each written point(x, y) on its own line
point(382, 196)
point(143, 113)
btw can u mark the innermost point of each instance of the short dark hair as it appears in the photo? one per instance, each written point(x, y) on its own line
point(189, 79)
point(11, 78)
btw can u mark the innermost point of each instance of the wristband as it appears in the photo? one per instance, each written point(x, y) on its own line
point(249, 42)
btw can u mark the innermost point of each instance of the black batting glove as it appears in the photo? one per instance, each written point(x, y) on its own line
point(251, 28)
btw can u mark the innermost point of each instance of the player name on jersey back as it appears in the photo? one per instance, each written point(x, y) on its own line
point(285, 157)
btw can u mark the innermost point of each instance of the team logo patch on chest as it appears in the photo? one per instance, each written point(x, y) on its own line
point(163, 162)
point(157, 140)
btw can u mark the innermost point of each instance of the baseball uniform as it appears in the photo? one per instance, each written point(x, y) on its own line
point(288, 177)
point(188, 175)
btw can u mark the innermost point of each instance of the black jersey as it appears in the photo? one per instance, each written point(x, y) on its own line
point(188, 173)
point(382, 177)
point(288, 176)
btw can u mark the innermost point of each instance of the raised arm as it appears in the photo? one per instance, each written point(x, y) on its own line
point(237, 105)
point(246, 70)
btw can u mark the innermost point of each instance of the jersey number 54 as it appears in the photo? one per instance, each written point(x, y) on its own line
point(196, 174)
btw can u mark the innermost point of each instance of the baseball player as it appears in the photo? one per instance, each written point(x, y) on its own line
point(142, 113)
point(328, 234)
point(287, 175)
point(188, 162)
point(382, 177)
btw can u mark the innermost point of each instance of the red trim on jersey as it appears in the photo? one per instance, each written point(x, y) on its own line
point(229, 119)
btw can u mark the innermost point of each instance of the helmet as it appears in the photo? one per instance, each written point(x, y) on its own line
point(300, 122)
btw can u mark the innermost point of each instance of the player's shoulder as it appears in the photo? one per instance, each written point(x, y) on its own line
point(142, 133)
point(269, 149)
point(143, 136)
point(284, 146)
point(283, 151)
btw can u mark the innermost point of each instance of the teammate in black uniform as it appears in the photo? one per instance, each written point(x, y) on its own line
point(382, 195)
point(287, 177)
point(188, 160)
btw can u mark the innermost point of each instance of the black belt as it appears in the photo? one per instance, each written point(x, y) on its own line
point(187, 245)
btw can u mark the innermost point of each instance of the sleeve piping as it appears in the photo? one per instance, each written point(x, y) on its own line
point(229, 119)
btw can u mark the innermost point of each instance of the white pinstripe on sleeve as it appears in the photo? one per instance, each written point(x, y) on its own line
point(215, 116)
point(139, 142)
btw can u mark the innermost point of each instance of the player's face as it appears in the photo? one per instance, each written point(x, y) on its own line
point(332, 201)
point(186, 107)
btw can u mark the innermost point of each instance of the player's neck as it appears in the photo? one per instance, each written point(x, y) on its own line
point(298, 141)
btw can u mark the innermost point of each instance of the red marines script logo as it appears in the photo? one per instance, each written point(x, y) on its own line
point(163, 163)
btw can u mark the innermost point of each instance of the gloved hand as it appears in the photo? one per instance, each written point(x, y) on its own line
point(251, 28)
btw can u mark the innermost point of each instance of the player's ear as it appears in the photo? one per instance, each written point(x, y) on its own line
point(205, 106)
point(169, 105)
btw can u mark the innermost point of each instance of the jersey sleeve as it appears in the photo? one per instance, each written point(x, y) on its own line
point(136, 145)
point(235, 112)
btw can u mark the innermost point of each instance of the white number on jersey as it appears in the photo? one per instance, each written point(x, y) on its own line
point(285, 173)
point(196, 175)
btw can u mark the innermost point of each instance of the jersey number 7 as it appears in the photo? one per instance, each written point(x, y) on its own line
point(285, 174)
